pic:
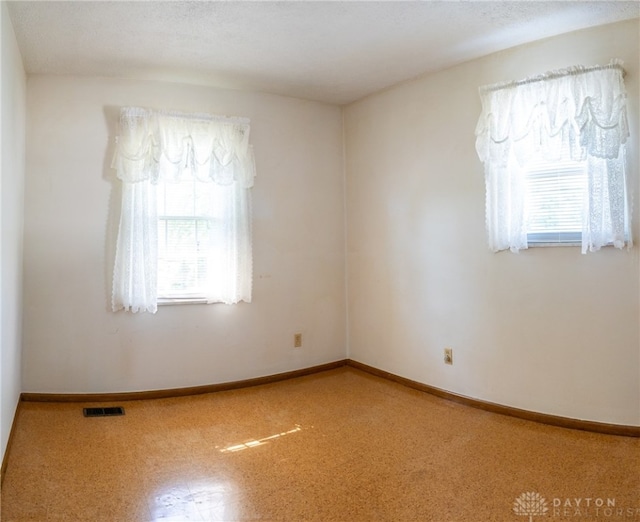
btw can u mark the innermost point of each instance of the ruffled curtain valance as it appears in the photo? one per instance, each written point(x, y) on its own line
point(579, 110)
point(156, 145)
point(575, 114)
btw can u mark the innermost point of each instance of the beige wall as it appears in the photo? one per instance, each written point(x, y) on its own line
point(549, 329)
point(74, 343)
point(12, 132)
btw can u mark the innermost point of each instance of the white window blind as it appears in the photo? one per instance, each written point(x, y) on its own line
point(191, 225)
point(554, 196)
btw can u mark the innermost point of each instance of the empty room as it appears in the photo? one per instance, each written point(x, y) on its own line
point(320, 261)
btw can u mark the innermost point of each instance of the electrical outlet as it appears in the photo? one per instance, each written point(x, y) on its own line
point(297, 340)
point(448, 355)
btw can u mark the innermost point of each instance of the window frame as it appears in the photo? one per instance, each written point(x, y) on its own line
point(547, 170)
point(186, 298)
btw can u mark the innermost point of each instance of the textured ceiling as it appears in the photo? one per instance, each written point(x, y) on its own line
point(334, 52)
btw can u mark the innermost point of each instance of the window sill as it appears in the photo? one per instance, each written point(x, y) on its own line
point(568, 244)
point(165, 301)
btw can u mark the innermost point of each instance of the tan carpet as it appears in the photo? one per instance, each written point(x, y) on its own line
point(339, 445)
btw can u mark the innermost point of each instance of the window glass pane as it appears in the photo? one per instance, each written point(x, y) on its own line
point(555, 195)
point(179, 198)
point(160, 197)
point(185, 240)
point(203, 198)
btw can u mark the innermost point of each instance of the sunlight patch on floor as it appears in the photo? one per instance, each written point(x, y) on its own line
point(259, 442)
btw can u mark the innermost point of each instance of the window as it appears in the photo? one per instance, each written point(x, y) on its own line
point(185, 231)
point(190, 217)
point(554, 199)
point(553, 148)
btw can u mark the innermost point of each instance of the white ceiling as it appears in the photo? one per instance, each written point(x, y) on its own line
point(334, 52)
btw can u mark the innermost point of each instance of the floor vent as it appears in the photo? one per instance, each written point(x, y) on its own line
point(103, 412)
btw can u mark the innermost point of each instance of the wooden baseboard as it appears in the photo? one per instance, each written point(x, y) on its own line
point(563, 422)
point(178, 392)
point(5, 457)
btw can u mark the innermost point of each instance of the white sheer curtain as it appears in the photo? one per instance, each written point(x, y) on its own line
point(577, 113)
point(155, 146)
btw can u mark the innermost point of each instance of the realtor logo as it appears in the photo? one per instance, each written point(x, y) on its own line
point(530, 504)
